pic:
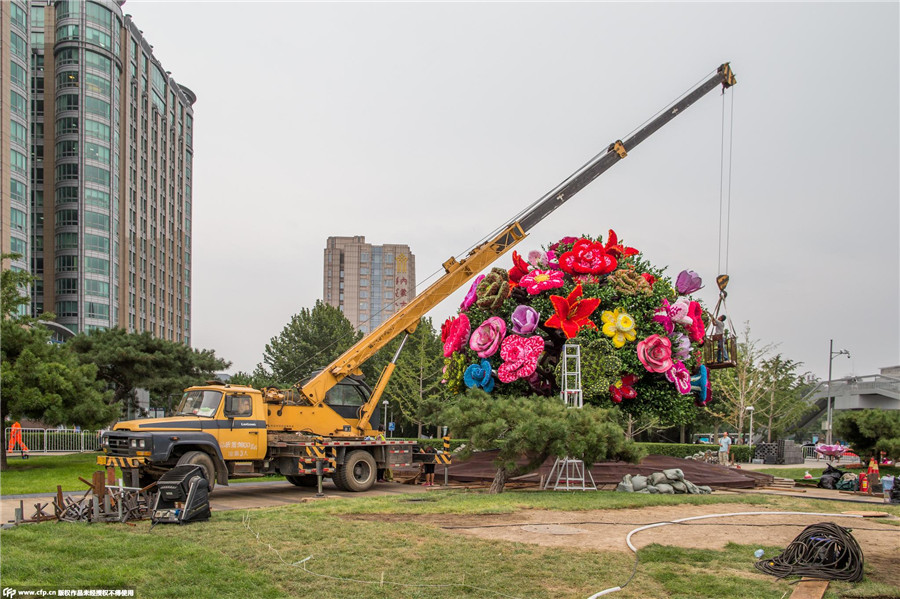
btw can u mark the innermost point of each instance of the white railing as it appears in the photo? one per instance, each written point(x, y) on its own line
point(809, 453)
point(55, 440)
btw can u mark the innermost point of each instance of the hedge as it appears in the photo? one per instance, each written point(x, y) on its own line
point(739, 453)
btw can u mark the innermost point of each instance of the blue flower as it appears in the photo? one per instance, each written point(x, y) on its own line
point(479, 376)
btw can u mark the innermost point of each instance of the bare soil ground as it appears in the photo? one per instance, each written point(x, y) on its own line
point(606, 530)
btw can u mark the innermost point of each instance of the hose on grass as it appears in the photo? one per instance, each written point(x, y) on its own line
point(823, 551)
point(611, 590)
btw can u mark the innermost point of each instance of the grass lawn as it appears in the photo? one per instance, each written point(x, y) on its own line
point(256, 553)
point(41, 473)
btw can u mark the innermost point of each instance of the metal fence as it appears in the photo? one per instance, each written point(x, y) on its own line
point(809, 453)
point(54, 440)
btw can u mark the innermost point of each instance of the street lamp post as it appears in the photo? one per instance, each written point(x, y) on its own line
point(384, 416)
point(750, 409)
point(831, 354)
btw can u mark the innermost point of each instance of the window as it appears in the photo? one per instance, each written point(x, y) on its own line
point(67, 79)
point(66, 32)
point(66, 194)
point(96, 129)
point(66, 263)
point(97, 84)
point(17, 220)
point(96, 152)
point(364, 282)
point(97, 61)
point(96, 106)
point(64, 286)
point(96, 243)
point(67, 308)
point(66, 148)
point(18, 104)
point(67, 124)
point(67, 241)
point(363, 294)
point(98, 14)
point(67, 102)
point(93, 197)
point(96, 310)
point(95, 36)
point(389, 272)
point(18, 133)
point(363, 305)
point(364, 271)
point(18, 162)
point(18, 16)
point(18, 45)
point(96, 220)
point(67, 56)
point(97, 266)
point(37, 38)
point(17, 246)
point(17, 74)
point(17, 190)
point(95, 174)
point(68, 8)
point(66, 218)
point(66, 171)
point(98, 288)
point(388, 295)
point(37, 17)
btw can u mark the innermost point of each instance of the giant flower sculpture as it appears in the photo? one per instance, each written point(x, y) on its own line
point(639, 332)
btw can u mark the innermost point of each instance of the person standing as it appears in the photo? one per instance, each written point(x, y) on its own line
point(724, 449)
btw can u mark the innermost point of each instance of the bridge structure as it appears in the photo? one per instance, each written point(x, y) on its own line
point(871, 392)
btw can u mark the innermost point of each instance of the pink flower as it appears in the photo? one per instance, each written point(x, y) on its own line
point(471, 296)
point(541, 280)
point(525, 320)
point(520, 355)
point(655, 353)
point(457, 333)
point(682, 346)
point(663, 317)
point(688, 282)
point(695, 329)
point(681, 376)
point(671, 314)
point(485, 340)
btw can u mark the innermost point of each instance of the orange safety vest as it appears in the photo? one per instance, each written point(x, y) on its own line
point(15, 438)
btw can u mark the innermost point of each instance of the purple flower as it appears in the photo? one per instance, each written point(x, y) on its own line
point(681, 347)
point(525, 320)
point(471, 296)
point(688, 282)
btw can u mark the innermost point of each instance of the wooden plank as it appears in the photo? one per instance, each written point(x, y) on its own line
point(810, 589)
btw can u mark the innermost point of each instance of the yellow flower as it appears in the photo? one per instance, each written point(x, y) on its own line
point(619, 325)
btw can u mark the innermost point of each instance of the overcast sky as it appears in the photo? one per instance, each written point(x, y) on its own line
point(433, 123)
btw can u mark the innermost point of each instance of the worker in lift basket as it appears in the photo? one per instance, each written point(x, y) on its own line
point(724, 448)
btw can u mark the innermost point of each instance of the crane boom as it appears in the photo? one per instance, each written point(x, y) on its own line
point(458, 273)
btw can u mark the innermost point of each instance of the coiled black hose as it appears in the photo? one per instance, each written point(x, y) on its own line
point(823, 551)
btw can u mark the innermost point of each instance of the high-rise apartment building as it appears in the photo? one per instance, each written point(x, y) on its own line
point(368, 283)
point(96, 168)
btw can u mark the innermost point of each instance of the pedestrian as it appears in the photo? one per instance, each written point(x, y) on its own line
point(429, 467)
point(15, 440)
point(724, 449)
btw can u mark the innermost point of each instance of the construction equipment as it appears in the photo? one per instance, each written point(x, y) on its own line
point(323, 427)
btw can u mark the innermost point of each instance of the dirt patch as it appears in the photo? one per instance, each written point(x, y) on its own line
point(606, 530)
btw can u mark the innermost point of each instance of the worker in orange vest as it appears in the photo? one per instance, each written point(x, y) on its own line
point(15, 438)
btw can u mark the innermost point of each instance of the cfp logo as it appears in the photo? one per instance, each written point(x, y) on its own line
point(9, 592)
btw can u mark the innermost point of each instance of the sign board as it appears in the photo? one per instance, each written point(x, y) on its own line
point(390, 426)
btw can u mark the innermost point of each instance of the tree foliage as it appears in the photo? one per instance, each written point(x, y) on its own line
point(535, 428)
point(870, 431)
point(309, 342)
point(40, 379)
point(128, 361)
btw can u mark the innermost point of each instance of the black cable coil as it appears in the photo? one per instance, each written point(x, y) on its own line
point(823, 551)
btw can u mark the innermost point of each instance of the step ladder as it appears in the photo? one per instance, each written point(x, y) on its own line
point(569, 474)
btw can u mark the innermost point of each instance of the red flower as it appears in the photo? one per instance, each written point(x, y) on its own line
point(695, 331)
point(519, 269)
point(615, 248)
point(458, 331)
point(572, 313)
point(445, 329)
point(623, 388)
point(587, 257)
point(651, 280)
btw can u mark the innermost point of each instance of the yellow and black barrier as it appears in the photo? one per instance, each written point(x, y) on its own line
point(121, 462)
point(442, 458)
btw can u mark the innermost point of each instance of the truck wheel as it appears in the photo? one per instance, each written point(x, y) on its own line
point(338, 478)
point(198, 458)
point(304, 480)
point(359, 471)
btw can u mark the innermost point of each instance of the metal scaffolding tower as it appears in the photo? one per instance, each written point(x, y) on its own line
point(567, 473)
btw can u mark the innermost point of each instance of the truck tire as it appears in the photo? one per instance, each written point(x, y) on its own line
point(199, 458)
point(303, 480)
point(359, 471)
point(338, 478)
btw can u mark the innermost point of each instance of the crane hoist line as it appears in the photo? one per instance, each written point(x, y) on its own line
point(325, 426)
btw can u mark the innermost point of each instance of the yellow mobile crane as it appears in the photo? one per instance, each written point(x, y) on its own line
point(322, 426)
